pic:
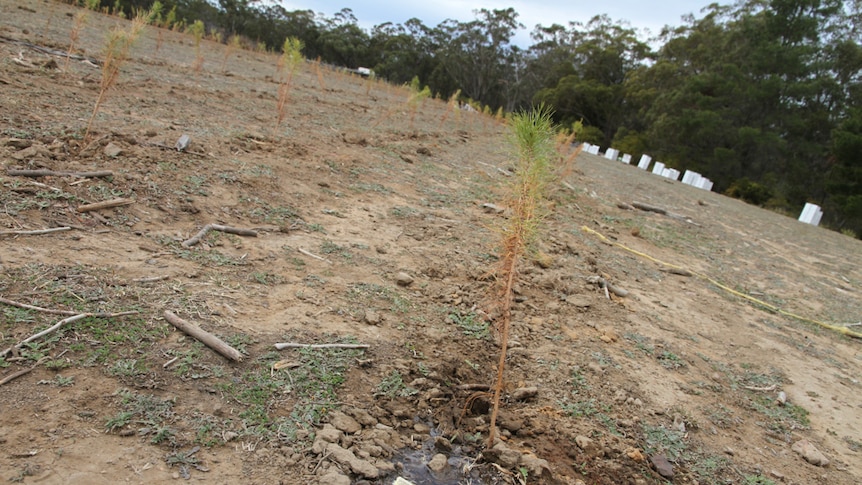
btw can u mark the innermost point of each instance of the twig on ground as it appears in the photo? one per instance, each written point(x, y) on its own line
point(107, 204)
point(60, 173)
point(15, 375)
point(59, 324)
point(205, 337)
point(168, 363)
point(217, 227)
point(677, 271)
point(664, 212)
point(604, 284)
point(36, 308)
point(760, 389)
point(303, 251)
point(291, 345)
point(35, 233)
point(151, 279)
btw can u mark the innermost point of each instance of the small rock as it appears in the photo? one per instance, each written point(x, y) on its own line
point(636, 455)
point(421, 428)
point(662, 466)
point(524, 393)
point(493, 209)
point(584, 442)
point(18, 143)
point(402, 481)
point(442, 444)
point(438, 463)
point(371, 317)
point(423, 151)
point(781, 399)
point(348, 459)
point(810, 453)
point(536, 467)
point(230, 436)
point(579, 301)
point(403, 279)
point(502, 455)
point(183, 143)
point(112, 150)
point(332, 477)
point(343, 422)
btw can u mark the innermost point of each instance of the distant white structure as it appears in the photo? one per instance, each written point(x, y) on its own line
point(696, 180)
point(658, 168)
point(594, 150)
point(644, 162)
point(670, 173)
point(612, 154)
point(627, 159)
point(811, 214)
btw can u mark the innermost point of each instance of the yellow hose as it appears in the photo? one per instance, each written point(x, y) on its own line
point(836, 328)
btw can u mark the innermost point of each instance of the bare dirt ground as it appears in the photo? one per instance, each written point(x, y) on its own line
point(391, 210)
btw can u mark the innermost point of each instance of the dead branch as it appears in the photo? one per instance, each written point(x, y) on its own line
point(205, 337)
point(35, 233)
point(677, 271)
point(60, 173)
point(607, 286)
point(217, 227)
point(291, 345)
point(303, 251)
point(51, 52)
point(649, 208)
point(151, 279)
point(107, 204)
point(36, 308)
point(664, 212)
point(58, 325)
point(474, 387)
point(760, 389)
point(15, 375)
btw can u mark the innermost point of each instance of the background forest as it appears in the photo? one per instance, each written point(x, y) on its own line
point(762, 96)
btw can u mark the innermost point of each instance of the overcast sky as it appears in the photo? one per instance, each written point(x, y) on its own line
point(640, 14)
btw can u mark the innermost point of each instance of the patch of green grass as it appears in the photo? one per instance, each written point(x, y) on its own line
point(19, 315)
point(59, 381)
point(580, 409)
point(148, 411)
point(393, 386)
point(127, 368)
point(266, 278)
point(370, 187)
point(669, 360)
point(403, 211)
point(659, 439)
point(641, 343)
point(470, 324)
point(781, 418)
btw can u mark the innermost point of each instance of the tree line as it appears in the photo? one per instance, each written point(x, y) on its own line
point(762, 96)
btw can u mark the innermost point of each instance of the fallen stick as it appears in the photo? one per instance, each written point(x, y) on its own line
point(205, 337)
point(649, 208)
point(35, 233)
point(58, 325)
point(677, 271)
point(151, 279)
point(217, 227)
point(15, 375)
point(760, 389)
point(303, 251)
point(58, 173)
point(36, 308)
point(291, 345)
point(107, 204)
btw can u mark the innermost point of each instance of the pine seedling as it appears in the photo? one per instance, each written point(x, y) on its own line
point(117, 48)
point(319, 73)
point(198, 30)
point(532, 137)
point(290, 59)
point(93, 5)
point(452, 106)
point(232, 44)
point(74, 35)
point(416, 98)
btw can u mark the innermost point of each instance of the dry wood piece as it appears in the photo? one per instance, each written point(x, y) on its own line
point(205, 337)
point(36, 308)
point(605, 285)
point(217, 227)
point(58, 325)
point(664, 212)
point(60, 173)
point(35, 233)
point(107, 204)
point(15, 375)
point(303, 251)
point(677, 271)
point(291, 345)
